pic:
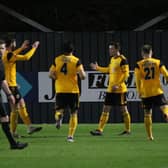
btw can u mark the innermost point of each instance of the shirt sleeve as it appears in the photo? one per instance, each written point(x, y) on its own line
point(164, 71)
point(103, 69)
point(26, 56)
point(137, 77)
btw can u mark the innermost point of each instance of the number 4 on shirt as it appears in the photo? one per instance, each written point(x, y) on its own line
point(64, 68)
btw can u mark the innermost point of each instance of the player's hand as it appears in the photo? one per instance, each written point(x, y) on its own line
point(115, 87)
point(25, 44)
point(35, 44)
point(140, 95)
point(52, 75)
point(94, 65)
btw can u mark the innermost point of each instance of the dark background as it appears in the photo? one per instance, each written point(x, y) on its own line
point(93, 15)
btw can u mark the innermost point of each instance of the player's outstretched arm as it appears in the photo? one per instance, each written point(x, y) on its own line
point(94, 65)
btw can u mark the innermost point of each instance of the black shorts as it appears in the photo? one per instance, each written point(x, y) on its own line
point(149, 102)
point(114, 99)
point(2, 108)
point(16, 93)
point(67, 100)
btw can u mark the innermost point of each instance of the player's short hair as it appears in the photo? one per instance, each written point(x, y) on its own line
point(146, 48)
point(115, 44)
point(68, 47)
point(8, 42)
point(2, 42)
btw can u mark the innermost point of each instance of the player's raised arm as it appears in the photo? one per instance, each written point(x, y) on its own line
point(29, 54)
point(25, 44)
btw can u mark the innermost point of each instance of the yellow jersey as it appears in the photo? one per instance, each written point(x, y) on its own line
point(118, 70)
point(147, 75)
point(66, 69)
point(9, 60)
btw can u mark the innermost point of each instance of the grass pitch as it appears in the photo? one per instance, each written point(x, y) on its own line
point(49, 148)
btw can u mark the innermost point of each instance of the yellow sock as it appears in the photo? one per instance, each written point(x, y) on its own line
point(103, 120)
point(24, 115)
point(148, 124)
point(13, 121)
point(58, 113)
point(165, 110)
point(127, 121)
point(73, 122)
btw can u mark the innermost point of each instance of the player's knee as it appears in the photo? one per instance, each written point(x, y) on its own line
point(106, 108)
point(123, 109)
point(148, 111)
point(74, 110)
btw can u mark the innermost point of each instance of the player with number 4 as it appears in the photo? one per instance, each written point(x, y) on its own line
point(64, 71)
